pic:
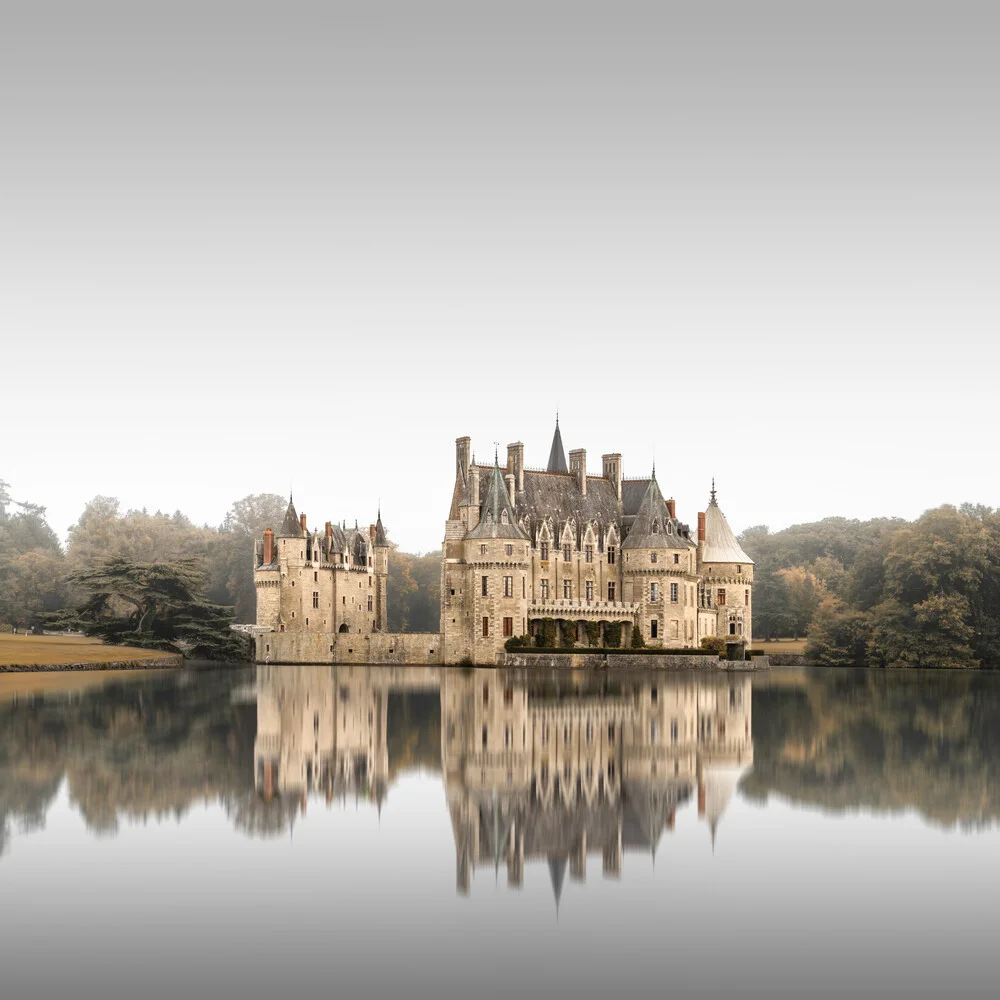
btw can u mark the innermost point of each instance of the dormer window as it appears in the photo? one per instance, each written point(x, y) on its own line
point(656, 527)
point(670, 527)
point(503, 517)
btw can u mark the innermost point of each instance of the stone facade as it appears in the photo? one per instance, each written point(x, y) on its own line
point(593, 554)
point(315, 588)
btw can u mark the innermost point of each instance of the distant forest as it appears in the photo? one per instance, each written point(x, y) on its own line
point(885, 592)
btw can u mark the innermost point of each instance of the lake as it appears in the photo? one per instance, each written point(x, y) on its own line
point(372, 832)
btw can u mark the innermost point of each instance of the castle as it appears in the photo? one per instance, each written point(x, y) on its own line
point(558, 554)
point(590, 558)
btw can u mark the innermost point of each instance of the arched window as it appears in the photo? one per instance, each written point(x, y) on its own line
point(504, 519)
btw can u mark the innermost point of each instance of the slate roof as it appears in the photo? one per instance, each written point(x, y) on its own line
point(291, 527)
point(380, 539)
point(557, 456)
point(720, 542)
point(495, 504)
point(653, 527)
point(557, 495)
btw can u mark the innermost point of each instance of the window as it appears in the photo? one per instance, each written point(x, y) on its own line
point(486, 627)
point(508, 627)
point(654, 591)
point(673, 593)
point(567, 549)
point(315, 598)
point(508, 586)
point(315, 577)
point(508, 550)
point(307, 621)
point(670, 527)
point(677, 558)
point(486, 586)
point(653, 627)
point(544, 551)
point(293, 583)
point(503, 517)
point(544, 584)
point(656, 527)
point(482, 549)
point(567, 589)
point(739, 628)
point(746, 598)
point(732, 628)
point(611, 555)
point(652, 557)
point(524, 587)
point(590, 590)
point(369, 602)
point(720, 596)
point(611, 591)
point(675, 626)
point(739, 569)
point(588, 553)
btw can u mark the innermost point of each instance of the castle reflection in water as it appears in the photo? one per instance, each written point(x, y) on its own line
point(556, 767)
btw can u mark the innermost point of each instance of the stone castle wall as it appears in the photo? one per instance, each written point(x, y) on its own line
point(333, 647)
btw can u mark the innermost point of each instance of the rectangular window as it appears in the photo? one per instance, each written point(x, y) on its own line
point(567, 589)
point(720, 596)
point(508, 627)
point(524, 587)
point(482, 549)
point(673, 593)
point(544, 551)
point(653, 626)
point(588, 553)
point(315, 577)
point(508, 586)
point(652, 557)
point(545, 589)
point(566, 553)
point(611, 591)
point(746, 598)
point(486, 627)
point(590, 590)
point(677, 558)
point(675, 626)
point(508, 550)
point(739, 569)
point(654, 591)
point(369, 602)
point(486, 586)
point(315, 598)
point(611, 555)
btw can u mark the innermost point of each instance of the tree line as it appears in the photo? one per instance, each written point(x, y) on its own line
point(158, 580)
point(884, 592)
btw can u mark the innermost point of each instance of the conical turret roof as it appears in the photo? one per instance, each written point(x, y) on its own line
point(380, 540)
point(497, 518)
point(720, 542)
point(291, 527)
point(653, 527)
point(557, 455)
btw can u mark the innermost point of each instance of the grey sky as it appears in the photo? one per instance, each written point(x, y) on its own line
point(246, 244)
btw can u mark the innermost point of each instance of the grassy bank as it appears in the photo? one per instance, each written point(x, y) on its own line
point(64, 650)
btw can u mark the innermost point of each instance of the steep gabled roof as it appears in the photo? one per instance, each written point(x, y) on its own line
point(497, 518)
point(291, 527)
point(720, 542)
point(653, 527)
point(557, 455)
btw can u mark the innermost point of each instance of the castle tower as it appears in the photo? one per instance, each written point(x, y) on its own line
point(727, 575)
point(659, 572)
point(557, 454)
point(381, 575)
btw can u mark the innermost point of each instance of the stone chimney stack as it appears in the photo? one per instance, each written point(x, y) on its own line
point(613, 471)
point(329, 531)
point(302, 521)
point(510, 487)
point(701, 527)
point(578, 466)
point(515, 463)
point(474, 492)
point(268, 546)
point(672, 507)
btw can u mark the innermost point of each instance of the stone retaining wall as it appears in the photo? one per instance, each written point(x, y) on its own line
point(630, 661)
point(331, 647)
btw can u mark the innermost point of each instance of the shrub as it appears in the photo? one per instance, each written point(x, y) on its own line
point(593, 633)
point(714, 644)
point(546, 637)
point(637, 640)
point(517, 642)
point(613, 635)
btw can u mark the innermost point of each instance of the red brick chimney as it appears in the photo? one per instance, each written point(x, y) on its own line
point(371, 532)
point(701, 526)
point(672, 507)
point(302, 521)
point(268, 546)
point(329, 531)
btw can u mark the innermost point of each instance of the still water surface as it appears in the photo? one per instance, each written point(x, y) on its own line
point(411, 832)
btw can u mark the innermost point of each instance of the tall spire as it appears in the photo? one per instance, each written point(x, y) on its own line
point(557, 454)
point(291, 527)
point(713, 501)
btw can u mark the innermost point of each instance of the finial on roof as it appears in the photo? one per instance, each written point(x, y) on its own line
point(654, 468)
point(713, 490)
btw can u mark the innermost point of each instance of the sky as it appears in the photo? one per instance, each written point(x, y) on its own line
point(252, 246)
